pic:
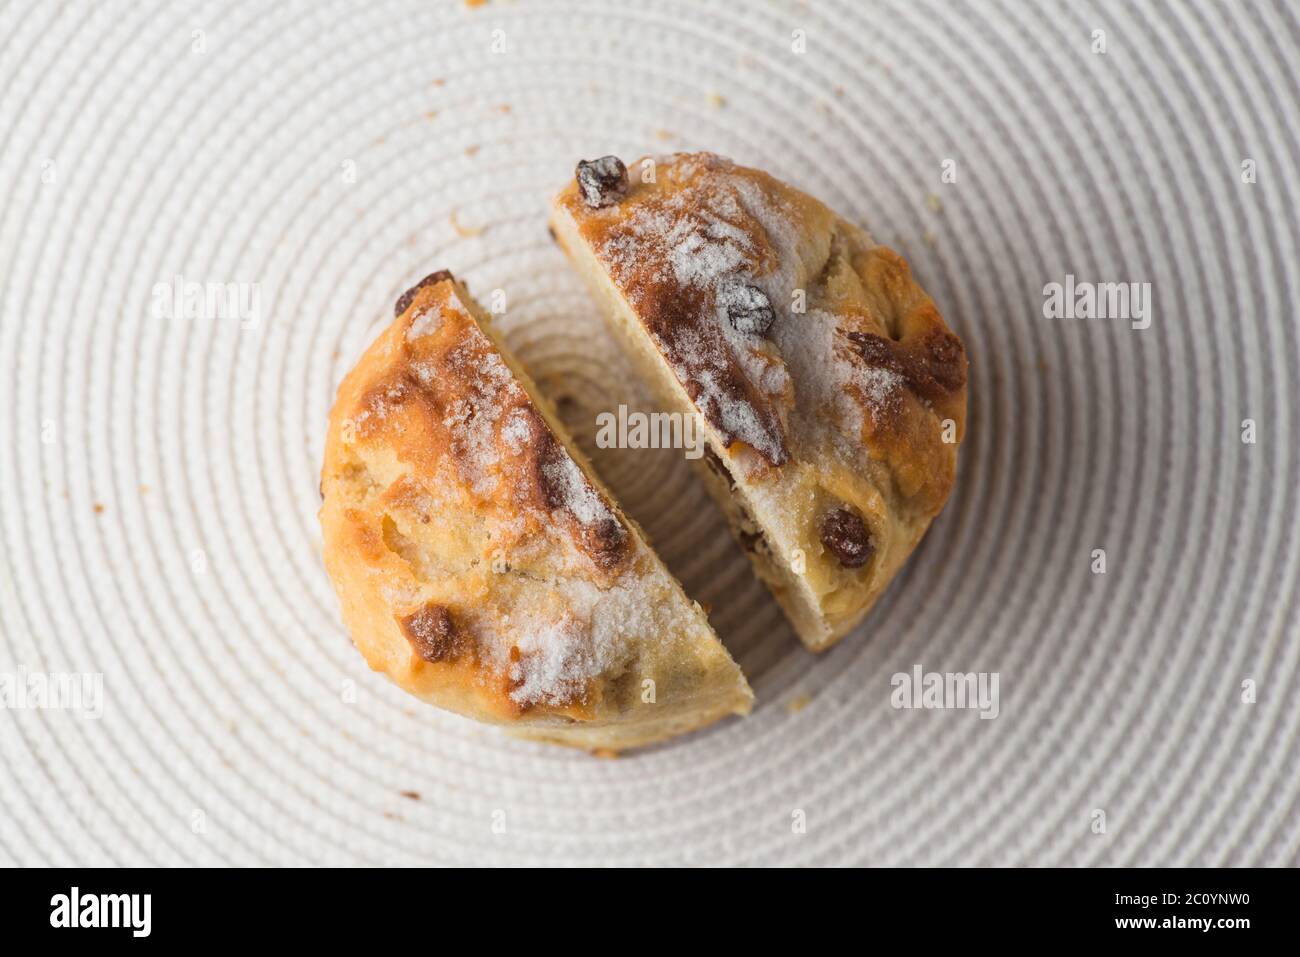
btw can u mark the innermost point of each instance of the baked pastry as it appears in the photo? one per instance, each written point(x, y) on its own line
point(482, 566)
point(832, 394)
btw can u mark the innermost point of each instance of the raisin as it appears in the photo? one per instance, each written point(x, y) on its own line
point(878, 351)
point(432, 634)
point(933, 364)
point(605, 541)
point(748, 309)
point(845, 535)
point(603, 181)
point(602, 538)
point(404, 301)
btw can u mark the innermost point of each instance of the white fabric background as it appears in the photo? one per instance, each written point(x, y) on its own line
point(128, 157)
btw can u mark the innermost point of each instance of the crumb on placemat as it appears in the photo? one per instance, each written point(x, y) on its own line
point(798, 703)
point(465, 232)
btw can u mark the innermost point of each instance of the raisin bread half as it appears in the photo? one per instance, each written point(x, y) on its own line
point(831, 391)
point(480, 564)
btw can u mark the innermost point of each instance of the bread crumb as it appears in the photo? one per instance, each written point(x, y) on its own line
point(664, 134)
point(99, 508)
point(464, 231)
point(472, 150)
point(798, 703)
point(717, 101)
point(934, 203)
point(144, 490)
point(410, 795)
point(929, 237)
point(430, 114)
point(475, 3)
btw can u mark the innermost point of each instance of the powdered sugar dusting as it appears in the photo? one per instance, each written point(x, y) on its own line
point(425, 322)
point(835, 384)
point(880, 386)
point(517, 430)
point(778, 224)
point(557, 660)
point(593, 637)
point(575, 492)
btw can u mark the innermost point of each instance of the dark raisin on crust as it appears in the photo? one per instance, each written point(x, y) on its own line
point(748, 309)
point(405, 299)
point(605, 541)
point(602, 182)
point(432, 633)
point(845, 535)
point(933, 365)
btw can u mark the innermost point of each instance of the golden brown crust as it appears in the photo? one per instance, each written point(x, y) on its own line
point(479, 565)
point(829, 382)
point(430, 403)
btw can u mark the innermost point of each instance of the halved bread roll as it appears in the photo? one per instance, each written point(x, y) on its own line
point(832, 393)
point(482, 566)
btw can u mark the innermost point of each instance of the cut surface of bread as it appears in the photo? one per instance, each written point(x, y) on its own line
point(832, 394)
point(479, 563)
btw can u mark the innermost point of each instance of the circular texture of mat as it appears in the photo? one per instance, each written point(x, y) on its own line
point(1121, 550)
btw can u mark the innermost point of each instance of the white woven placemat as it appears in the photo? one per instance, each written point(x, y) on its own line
point(158, 472)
